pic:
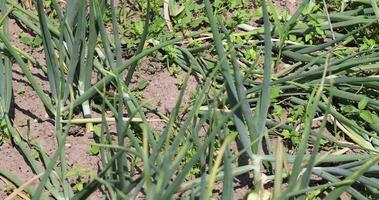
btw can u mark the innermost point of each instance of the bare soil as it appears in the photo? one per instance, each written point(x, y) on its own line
point(288, 5)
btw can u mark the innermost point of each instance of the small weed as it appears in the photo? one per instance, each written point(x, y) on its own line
point(8, 188)
point(362, 111)
point(4, 131)
point(294, 136)
point(94, 150)
point(140, 85)
point(80, 175)
point(21, 90)
point(31, 42)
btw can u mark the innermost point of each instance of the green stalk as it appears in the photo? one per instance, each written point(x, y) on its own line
point(310, 113)
point(229, 82)
point(51, 60)
point(108, 78)
point(141, 44)
point(25, 69)
point(212, 176)
point(279, 154)
point(353, 177)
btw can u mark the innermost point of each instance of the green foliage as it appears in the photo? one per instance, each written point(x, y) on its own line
point(80, 174)
point(36, 42)
point(190, 17)
point(21, 90)
point(292, 135)
point(8, 188)
point(94, 150)
point(274, 93)
point(367, 44)
point(4, 131)
point(318, 76)
point(141, 85)
point(362, 111)
point(313, 25)
point(79, 171)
